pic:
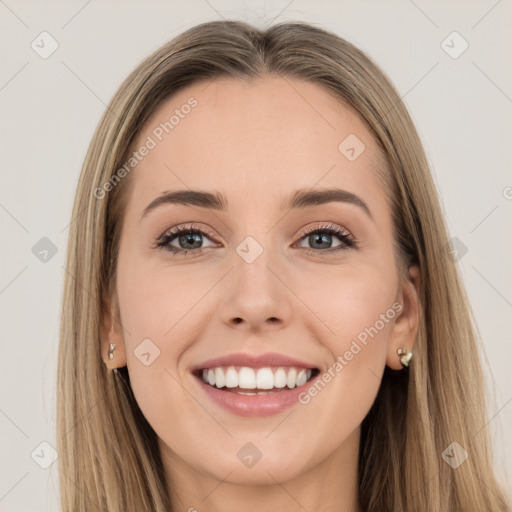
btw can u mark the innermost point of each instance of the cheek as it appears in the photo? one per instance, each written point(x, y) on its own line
point(357, 316)
point(157, 301)
point(353, 318)
point(351, 306)
point(152, 305)
point(155, 312)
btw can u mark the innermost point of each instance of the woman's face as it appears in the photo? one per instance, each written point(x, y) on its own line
point(255, 283)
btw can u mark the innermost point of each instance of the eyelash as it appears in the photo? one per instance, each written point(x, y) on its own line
point(164, 241)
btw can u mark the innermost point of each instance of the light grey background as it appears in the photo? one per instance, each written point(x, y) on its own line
point(50, 107)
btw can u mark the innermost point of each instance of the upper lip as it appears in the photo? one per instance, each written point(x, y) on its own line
point(253, 361)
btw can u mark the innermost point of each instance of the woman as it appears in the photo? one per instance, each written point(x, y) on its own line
point(214, 354)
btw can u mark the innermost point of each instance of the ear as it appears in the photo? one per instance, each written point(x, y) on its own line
point(405, 327)
point(111, 331)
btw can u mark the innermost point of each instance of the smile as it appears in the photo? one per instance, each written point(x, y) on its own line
point(245, 377)
point(248, 391)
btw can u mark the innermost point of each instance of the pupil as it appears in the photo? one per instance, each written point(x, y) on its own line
point(319, 238)
point(188, 238)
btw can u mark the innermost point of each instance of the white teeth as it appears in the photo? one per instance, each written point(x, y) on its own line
point(280, 378)
point(220, 380)
point(250, 378)
point(291, 378)
point(246, 378)
point(301, 378)
point(231, 378)
point(265, 379)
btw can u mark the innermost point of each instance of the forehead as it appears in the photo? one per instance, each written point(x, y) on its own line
point(259, 138)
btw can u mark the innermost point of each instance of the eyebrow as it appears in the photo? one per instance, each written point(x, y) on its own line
point(302, 198)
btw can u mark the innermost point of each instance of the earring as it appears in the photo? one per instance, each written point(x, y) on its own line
point(112, 345)
point(111, 355)
point(406, 356)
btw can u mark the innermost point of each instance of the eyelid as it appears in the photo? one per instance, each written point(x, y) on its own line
point(190, 226)
point(328, 227)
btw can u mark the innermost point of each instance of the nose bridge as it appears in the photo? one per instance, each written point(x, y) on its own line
point(255, 294)
point(253, 261)
point(256, 247)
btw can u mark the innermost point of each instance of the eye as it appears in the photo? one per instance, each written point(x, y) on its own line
point(188, 239)
point(321, 239)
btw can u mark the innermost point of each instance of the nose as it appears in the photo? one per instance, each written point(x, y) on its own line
point(255, 295)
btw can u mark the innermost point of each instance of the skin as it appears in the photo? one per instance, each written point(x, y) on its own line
point(258, 142)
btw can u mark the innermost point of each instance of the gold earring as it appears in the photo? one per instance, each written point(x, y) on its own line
point(406, 356)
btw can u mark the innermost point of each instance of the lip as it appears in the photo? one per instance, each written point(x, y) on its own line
point(254, 405)
point(253, 361)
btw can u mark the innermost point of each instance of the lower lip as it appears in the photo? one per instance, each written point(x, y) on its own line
point(254, 405)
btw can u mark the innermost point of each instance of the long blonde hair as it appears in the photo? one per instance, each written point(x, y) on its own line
point(108, 453)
